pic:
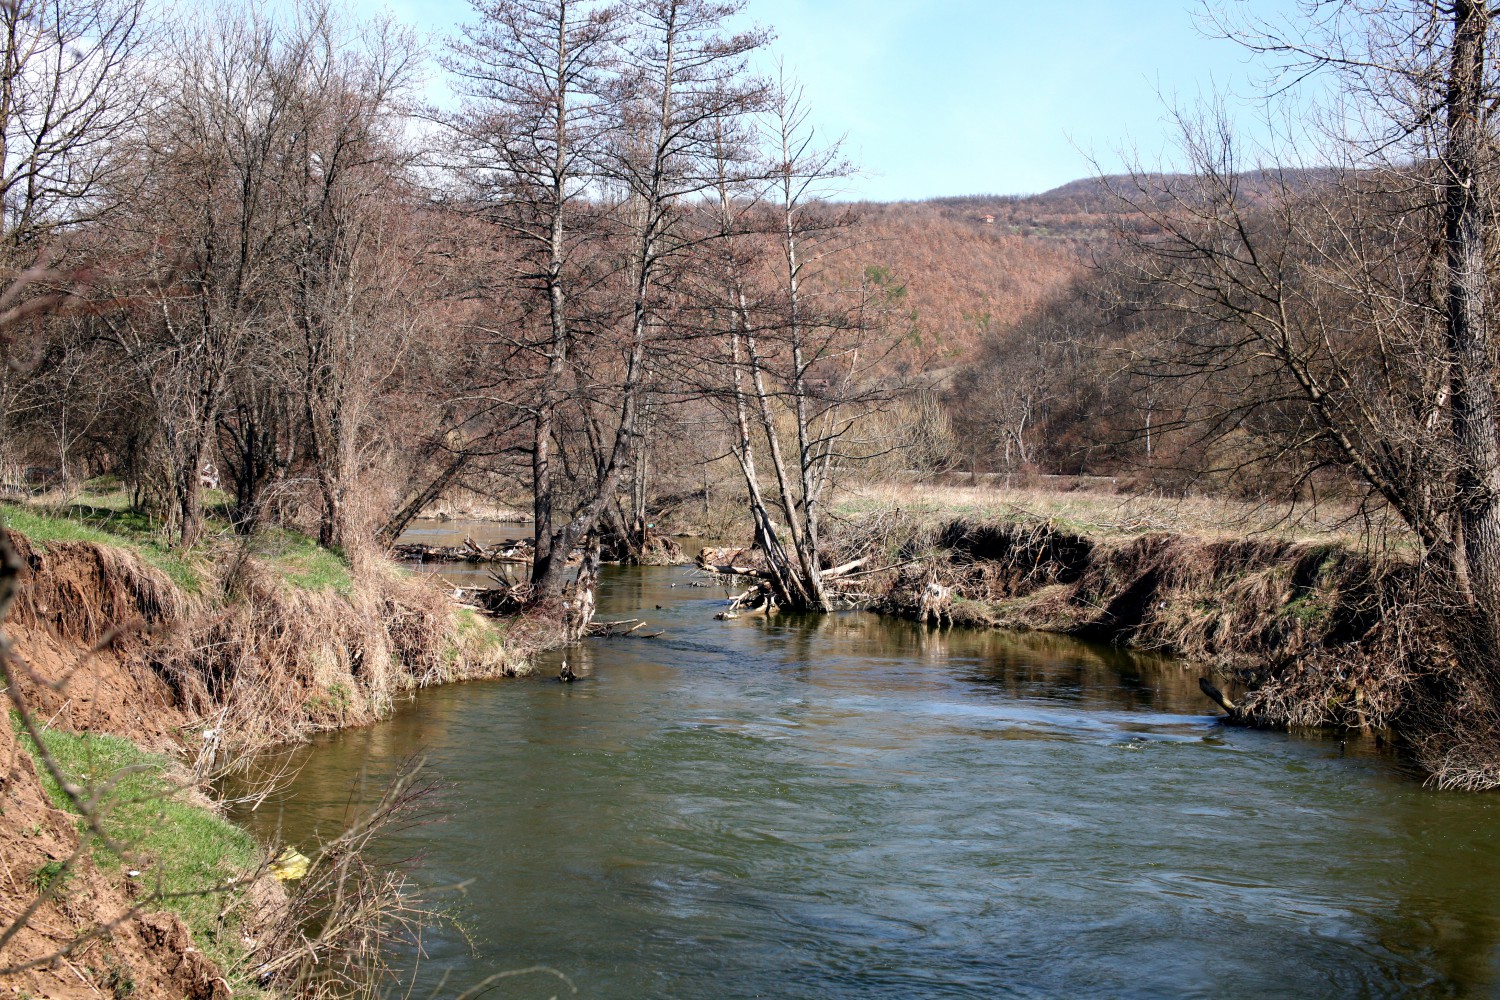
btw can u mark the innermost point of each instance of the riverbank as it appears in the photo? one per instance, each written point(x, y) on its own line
point(1303, 628)
point(135, 659)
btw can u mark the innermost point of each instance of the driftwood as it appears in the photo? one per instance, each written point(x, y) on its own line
point(846, 569)
point(620, 629)
point(761, 598)
point(747, 568)
point(1218, 697)
point(495, 600)
point(743, 562)
point(730, 569)
point(469, 552)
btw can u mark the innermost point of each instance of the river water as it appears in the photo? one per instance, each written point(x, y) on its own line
point(847, 807)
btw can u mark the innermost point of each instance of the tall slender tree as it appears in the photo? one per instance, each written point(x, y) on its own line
point(537, 79)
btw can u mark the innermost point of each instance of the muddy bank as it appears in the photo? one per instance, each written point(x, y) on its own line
point(111, 644)
point(104, 642)
point(1304, 634)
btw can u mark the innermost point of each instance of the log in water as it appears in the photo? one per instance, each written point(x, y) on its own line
point(845, 807)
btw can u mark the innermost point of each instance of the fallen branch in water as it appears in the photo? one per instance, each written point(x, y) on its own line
point(619, 629)
point(1217, 697)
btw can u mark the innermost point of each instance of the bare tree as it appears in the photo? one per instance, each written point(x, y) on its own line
point(684, 76)
point(800, 351)
point(71, 90)
point(209, 233)
point(1348, 323)
point(343, 177)
point(536, 75)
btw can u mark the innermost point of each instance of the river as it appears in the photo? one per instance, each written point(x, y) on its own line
point(848, 807)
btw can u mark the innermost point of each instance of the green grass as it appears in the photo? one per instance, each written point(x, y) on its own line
point(182, 849)
point(488, 632)
point(478, 635)
point(304, 563)
point(1307, 609)
point(104, 521)
point(109, 519)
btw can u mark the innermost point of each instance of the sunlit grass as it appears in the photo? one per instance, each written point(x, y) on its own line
point(181, 849)
point(302, 562)
point(1098, 514)
point(109, 519)
point(486, 633)
point(105, 525)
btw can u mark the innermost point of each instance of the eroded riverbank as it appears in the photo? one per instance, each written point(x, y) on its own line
point(856, 807)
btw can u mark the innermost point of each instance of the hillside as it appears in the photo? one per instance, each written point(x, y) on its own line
point(953, 277)
point(979, 263)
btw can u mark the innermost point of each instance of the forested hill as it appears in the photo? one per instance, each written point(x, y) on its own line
point(979, 263)
point(954, 277)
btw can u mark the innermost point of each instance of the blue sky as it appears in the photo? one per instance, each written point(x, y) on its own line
point(950, 97)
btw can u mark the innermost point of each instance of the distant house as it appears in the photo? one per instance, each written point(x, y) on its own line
point(988, 220)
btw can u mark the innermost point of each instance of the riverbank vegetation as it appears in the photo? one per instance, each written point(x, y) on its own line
point(262, 304)
point(233, 646)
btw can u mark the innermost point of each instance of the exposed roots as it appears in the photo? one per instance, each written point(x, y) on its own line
point(1313, 634)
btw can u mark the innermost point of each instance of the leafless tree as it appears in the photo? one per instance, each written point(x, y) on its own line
point(344, 179)
point(537, 78)
point(71, 90)
point(209, 233)
point(1348, 323)
point(799, 352)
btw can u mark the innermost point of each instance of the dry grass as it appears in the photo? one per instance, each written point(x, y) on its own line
point(257, 657)
point(330, 935)
point(1105, 515)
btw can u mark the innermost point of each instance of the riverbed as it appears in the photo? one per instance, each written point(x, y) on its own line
point(851, 807)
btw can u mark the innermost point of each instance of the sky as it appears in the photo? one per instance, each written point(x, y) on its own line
point(955, 97)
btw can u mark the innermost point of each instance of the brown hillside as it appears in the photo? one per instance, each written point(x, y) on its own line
point(963, 274)
point(952, 277)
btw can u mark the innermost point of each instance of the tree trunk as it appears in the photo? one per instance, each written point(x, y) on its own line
point(544, 426)
point(784, 584)
point(333, 525)
point(418, 502)
point(190, 499)
point(1466, 219)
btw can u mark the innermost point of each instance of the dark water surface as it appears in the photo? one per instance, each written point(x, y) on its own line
point(845, 807)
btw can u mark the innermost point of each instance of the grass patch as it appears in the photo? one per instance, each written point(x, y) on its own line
point(109, 519)
point(43, 877)
point(184, 850)
point(478, 638)
point(105, 524)
point(304, 563)
point(486, 632)
point(1307, 609)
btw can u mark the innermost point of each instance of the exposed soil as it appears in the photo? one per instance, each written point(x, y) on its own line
point(148, 955)
point(106, 643)
point(110, 644)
